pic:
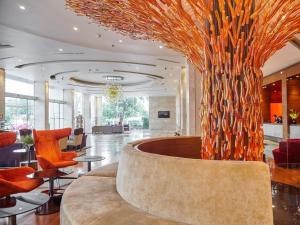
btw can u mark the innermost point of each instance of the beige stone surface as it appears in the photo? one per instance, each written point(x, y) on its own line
point(162, 103)
point(92, 200)
point(196, 191)
point(109, 170)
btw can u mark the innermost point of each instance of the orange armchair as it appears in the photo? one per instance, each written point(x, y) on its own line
point(14, 181)
point(47, 148)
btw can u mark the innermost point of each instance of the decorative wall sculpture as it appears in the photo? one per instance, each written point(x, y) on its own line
point(228, 40)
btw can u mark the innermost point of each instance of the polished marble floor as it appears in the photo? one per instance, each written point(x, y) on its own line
point(286, 199)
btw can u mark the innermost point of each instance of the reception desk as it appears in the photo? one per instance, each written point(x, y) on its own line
point(295, 131)
point(273, 130)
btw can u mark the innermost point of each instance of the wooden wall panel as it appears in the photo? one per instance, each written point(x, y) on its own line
point(293, 96)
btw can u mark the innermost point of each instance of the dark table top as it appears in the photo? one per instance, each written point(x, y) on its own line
point(51, 173)
point(89, 158)
point(22, 203)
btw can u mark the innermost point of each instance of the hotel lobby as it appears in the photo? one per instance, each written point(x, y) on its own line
point(144, 112)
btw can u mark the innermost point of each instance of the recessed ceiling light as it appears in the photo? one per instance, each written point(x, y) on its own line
point(273, 84)
point(60, 49)
point(161, 46)
point(22, 7)
point(75, 28)
point(281, 72)
point(120, 41)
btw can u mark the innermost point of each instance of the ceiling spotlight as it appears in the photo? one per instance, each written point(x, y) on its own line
point(60, 49)
point(297, 76)
point(281, 72)
point(273, 84)
point(22, 7)
point(120, 41)
point(161, 46)
point(75, 28)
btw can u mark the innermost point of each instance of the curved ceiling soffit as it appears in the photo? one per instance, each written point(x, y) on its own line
point(81, 61)
point(140, 73)
point(4, 58)
point(152, 76)
point(53, 76)
point(90, 83)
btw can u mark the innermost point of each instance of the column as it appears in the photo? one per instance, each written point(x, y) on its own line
point(2, 94)
point(87, 113)
point(41, 106)
point(98, 110)
point(285, 123)
point(68, 108)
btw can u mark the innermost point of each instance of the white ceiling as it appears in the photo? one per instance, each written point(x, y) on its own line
point(45, 26)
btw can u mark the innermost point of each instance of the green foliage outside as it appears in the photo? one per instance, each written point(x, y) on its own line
point(130, 110)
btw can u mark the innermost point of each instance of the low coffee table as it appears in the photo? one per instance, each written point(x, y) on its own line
point(21, 203)
point(89, 160)
point(53, 205)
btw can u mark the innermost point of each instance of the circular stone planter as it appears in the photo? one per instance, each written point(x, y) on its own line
point(166, 178)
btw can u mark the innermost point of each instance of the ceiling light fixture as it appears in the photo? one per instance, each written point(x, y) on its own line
point(60, 49)
point(75, 28)
point(161, 46)
point(281, 72)
point(114, 78)
point(120, 41)
point(22, 7)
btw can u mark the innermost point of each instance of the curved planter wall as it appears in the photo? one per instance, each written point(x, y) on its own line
point(194, 191)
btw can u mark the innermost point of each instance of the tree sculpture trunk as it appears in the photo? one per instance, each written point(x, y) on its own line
point(230, 114)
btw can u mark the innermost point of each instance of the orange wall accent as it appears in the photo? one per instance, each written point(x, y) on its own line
point(275, 108)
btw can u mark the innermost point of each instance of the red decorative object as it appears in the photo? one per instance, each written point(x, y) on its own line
point(228, 41)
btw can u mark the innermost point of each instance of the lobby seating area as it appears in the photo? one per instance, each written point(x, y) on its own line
point(150, 112)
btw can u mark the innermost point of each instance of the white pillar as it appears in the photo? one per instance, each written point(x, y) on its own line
point(193, 87)
point(2, 94)
point(87, 113)
point(68, 108)
point(41, 106)
point(98, 110)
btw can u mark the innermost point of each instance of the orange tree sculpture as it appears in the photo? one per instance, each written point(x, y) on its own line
point(228, 41)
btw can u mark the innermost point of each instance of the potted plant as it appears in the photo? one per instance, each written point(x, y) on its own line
point(28, 143)
point(294, 116)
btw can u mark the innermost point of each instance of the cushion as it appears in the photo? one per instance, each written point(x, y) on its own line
point(109, 170)
point(92, 200)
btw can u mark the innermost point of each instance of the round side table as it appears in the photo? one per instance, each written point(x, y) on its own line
point(89, 160)
point(18, 204)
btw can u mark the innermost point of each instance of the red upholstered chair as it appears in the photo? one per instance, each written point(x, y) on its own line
point(14, 181)
point(288, 152)
point(7, 138)
point(47, 148)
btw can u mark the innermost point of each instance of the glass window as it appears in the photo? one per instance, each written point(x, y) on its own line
point(19, 113)
point(19, 87)
point(56, 108)
point(78, 103)
point(56, 94)
point(56, 119)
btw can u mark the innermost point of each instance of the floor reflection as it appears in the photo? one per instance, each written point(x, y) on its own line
point(286, 204)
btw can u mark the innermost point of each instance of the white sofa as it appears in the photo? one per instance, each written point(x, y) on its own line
point(164, 190)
